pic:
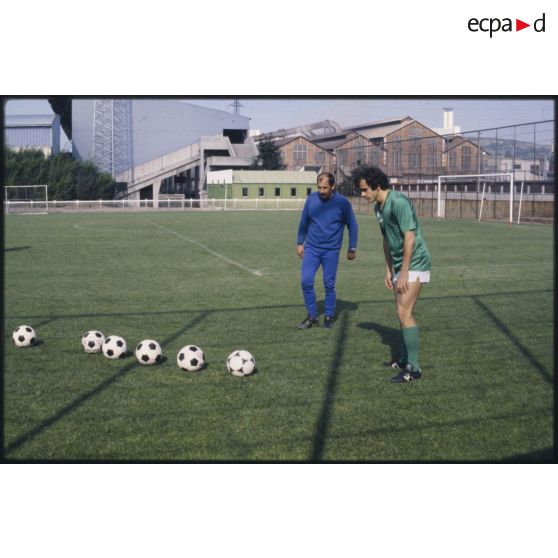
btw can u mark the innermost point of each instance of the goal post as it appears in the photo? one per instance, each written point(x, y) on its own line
point(508, 176)
point(32, 199)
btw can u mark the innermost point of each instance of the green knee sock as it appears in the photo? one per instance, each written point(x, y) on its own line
point(411, 339)
point(403, 352)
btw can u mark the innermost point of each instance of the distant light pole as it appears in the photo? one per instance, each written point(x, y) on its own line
point(237, 105)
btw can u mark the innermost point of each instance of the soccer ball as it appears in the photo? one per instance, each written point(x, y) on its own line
point(92, 341)
point(149, 352)
point(114, 347)
point(24, 336)
point(241, 363)
point(190, 358)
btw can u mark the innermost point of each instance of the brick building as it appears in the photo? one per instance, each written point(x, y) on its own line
point(462, 156)
point(300, 153)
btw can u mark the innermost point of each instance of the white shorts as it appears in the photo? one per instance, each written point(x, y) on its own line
point(422, 276)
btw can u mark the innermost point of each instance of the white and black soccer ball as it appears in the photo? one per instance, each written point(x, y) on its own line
point(114, 347)
point(24, 336)
point(241, 363)
point(149, 352)
point(92, 341)
point(190, 358)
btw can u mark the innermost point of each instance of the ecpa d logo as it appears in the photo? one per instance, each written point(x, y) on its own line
point(494, 24)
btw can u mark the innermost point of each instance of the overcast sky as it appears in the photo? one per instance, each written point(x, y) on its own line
point(272, 114)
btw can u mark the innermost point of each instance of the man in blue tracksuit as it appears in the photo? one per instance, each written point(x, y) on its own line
point(320, 236)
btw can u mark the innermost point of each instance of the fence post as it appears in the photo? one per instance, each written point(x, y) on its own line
point(520, 200)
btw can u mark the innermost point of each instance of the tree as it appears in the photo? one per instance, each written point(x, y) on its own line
point(269, 156)
point(60, 177)
point(66, 178)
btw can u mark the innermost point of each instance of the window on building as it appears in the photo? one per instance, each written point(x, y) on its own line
point(396, 152)
point(535, 169)
point(375, 157)
point(414, 160)
point(415, 132)
point(466, 158)
point(360, 151)
point(452, 158)
point(293, 191)
point(432, 153)
point(397, 156)
point(244, 192)
point(432, 159)
point(308, 191)
point(300, 153)
point(277, 191)
point(260, 191)
point(517, 166)
point(319, 156)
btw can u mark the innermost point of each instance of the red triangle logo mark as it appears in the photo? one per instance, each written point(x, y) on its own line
point(519, 25)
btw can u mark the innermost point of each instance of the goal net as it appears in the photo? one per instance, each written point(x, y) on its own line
point(496, 189)
point(26, 199)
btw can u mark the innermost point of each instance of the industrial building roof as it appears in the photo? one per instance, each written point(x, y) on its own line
point(383, 122)
point(274, 177)
point(370, 130)
point(383, 131)
point(29, 120)
point(333, 142)
point(285, 141)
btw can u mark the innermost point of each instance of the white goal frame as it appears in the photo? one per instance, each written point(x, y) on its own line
point(26, 207)
point(492, 175)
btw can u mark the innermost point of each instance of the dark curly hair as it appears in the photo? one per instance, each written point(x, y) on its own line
point(372, 175)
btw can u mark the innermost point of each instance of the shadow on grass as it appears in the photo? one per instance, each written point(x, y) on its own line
point(545, 455)
point(16, 248)
point(99, 388)
point(322, 424)
point(37, 343)
point(390, 336)
point(480, 421)
point(185, 311)
point(519, 346)
point(44, 321)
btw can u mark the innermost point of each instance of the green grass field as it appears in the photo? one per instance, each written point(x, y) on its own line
point(486, 324)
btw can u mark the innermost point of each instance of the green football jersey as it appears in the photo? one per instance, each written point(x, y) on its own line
point(396, 217)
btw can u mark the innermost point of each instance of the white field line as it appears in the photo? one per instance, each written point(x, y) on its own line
point(95, 228)
point(256, 272)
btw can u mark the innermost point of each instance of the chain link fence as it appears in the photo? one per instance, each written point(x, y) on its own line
point(415, 157)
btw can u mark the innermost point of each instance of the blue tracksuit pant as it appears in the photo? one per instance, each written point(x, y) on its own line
point(311, 261)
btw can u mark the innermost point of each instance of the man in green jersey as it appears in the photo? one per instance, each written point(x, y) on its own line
point(407, 261)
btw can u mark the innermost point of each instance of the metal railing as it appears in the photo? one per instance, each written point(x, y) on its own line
point(460, 201)
point(235, 204)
